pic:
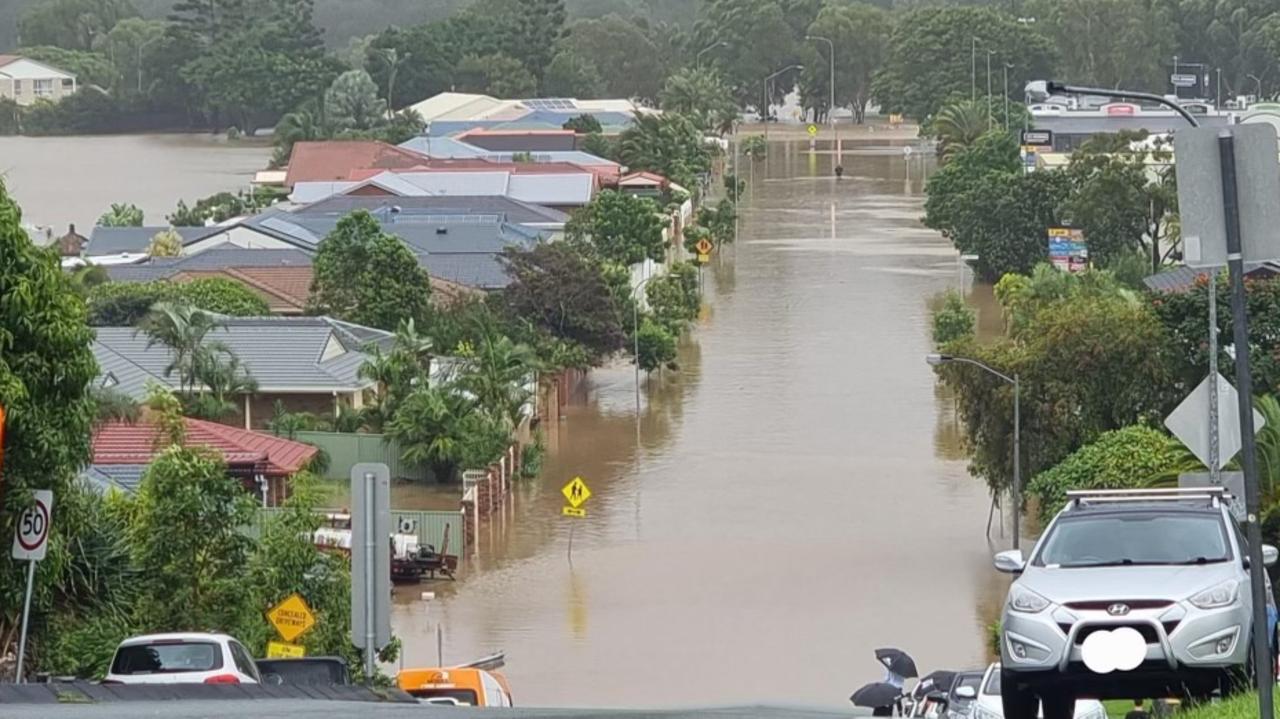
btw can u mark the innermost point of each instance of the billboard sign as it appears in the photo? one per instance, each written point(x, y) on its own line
point(1067, 249)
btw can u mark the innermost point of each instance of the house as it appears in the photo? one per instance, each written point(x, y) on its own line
point(1182, 278)
point(549, 184)
point(308, 364)
point(451, 113)
point(451, 148)
point(24, 80)
point(501, 140)
point(113, 242)
point(511, 210)
point(262, 462)
point(281, 277)
point(331, 160)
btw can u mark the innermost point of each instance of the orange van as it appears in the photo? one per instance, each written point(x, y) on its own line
point(456, 686)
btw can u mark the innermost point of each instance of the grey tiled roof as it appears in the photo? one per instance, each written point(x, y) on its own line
point(512, 210)
point(483, 271)
point(103, 477)
point(218, 258)
point(1183, 278)
point(115, 240)
point(283, 354)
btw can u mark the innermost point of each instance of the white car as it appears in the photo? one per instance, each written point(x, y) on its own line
point(182, 658)
point(988, 704)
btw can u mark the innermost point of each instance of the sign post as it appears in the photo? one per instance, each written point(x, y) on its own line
point(1067, 249)
point(370, 560)
point(31, 542)
point(576, 493)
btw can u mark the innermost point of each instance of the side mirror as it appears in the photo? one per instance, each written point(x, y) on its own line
point(1010, 561)
point(966, 692)
point(1269, 555)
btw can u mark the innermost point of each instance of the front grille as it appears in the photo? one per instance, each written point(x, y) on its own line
point(1170, 626)
point(1147, 631)
point(1102, 604)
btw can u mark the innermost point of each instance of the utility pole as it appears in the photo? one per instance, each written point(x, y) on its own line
point(1007, 67)
point(973, 68)
point(989, 54)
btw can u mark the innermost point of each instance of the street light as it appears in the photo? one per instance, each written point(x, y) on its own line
point(938, 360)
point(1258, 80)
point(768, 96)
point(635, 335)
point(831, 108)
point(697, 59)
point(1007, 68)
point(973, 68)
point(1041, 90)
point(989, 54)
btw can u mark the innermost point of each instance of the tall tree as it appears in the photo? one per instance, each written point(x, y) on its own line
point(758, 40)
point(623, 229)
point(72, 24)
point(367, 276)
point(626, 59)
point(569, 75)
point(498, 75)
point(1111, 43)
point(184, 329)
point(931, 58)
point(46, 368)
point(701, 96)
point(860, 35)
point(352, 102)
point(134, 45)
point(526, 30)
point(669, 144)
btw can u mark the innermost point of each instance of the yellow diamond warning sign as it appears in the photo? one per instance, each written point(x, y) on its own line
point(704, 246)
point(292, 617)
point(576, 492)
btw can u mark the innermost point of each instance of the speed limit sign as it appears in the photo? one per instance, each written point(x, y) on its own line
point(31, 536)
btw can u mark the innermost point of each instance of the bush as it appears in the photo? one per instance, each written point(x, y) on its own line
point(1127, 458)
point(121, 304)
point(953, 320)
point(532, 456)
point(656, 345)
point(673, 298)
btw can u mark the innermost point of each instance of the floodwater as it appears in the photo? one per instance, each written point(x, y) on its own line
point(72, 180)
point(793, 497)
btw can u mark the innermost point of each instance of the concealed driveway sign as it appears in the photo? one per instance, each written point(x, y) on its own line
point(292, 617)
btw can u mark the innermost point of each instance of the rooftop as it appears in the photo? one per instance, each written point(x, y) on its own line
point(133, 444)
point(117, 240)
point(283, 354)
point(511, 210)
point(335, 159)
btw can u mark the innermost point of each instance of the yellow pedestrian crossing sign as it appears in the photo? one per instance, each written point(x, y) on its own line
point(576, 492)
point(813, 130)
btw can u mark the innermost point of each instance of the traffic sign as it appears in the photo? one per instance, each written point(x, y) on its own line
point(31, 536)
point(813, 131)
point(704, 246)
point(291, 617)
point(1181, 80)
point(1189, 422)
point(576, 492)
point(281, 650)
point(573, 512)
point(703, 258)
point(1037, 137)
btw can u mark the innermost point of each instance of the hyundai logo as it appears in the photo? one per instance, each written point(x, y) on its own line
point(1119, 609)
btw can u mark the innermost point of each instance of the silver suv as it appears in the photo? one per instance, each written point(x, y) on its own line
point(1127, 595)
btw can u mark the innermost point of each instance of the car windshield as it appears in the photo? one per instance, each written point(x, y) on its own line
point(166, 658)
point(1134, 538)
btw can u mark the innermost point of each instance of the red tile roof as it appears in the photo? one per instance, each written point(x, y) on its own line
point(124, 443)
point(333, 160)
point(285, 289)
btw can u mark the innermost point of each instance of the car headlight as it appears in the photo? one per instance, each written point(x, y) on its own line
point(1219, 595)
point(1025, 600)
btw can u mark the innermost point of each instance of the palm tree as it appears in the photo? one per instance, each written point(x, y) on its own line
point(182, 328)
point(220, 371)
point(444, 429)
point(113, 405)
point(960, 124)
point(497, 374)
point(397, 372)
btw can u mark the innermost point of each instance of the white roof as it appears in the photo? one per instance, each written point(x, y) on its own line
point(25, 68)
point(558, 188)
point(455, 106)
point(553, 189)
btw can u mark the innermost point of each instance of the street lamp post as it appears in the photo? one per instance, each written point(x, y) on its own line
point(989, 54)
point(697, 60)
point(635, 335)
point(941, 359)
point(1007, 67)
point(768, 96)
point(1258, 80)
point(831, 108)
point(973, 68)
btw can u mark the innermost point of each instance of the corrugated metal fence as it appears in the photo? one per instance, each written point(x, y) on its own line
point(346, 450)
point(430, 526)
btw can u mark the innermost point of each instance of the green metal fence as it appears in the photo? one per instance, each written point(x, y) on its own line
point(346, 450)
point(430, 526)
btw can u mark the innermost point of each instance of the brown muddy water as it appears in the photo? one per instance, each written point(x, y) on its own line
point(792, 498)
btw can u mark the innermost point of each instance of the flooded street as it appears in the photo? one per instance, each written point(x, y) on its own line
point(63, 180)
point(793, 497)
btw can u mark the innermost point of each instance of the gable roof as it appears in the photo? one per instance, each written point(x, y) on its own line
point(133, 445)
point(538, 184)
point(392, 208)
point(1183, 278)
point(210, 260)
point(333, 160)
point(118, 240)
point(9, 60)
point(6, 59)
point(283, 354)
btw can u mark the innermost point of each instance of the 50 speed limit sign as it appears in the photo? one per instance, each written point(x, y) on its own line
point(31, 536)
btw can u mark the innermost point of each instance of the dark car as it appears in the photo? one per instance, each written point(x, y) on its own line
point(304, 671)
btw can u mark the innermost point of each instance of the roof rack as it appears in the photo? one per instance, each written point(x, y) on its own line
point(1212, 495)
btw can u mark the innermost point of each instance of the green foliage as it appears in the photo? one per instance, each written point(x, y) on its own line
point(1128, 458)
point(673, 298)
point(90, 68)
point(1089, 361)
point(532, 456)
point(497, 74)
point(566, 295)
point(447, 430)
point(929, 54)
point(85, 112)
point(627, 62)
point(959, 124)
point(165, 243)
point(366, 276)
point(860, 33)
point(701, 96)
point(584, 125)
point(397, 372)
point(760, 36)
point(46, 367)
point(719, 221)
point(123, 304)
point(569, 75)
point(1111, 43)
point(656, 345)
point(352, 101)
point(497, 372)
point(755, 147)
point(121, 215)
point(1185, 315)
point(223, 206)
point(669, 144)
point(71, 24)
point(954, 320)
point(622, 228)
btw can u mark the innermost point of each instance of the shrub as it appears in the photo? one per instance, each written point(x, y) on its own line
point(953, 320)
point(120, 304)
point(656, 345)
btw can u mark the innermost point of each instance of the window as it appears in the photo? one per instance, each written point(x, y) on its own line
point(43, 88)
point(17, 87)
point(1135, 538)
point(244, 664)
point(167, 658)
point(68, 83)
